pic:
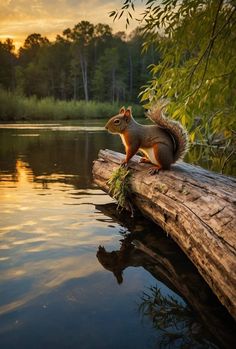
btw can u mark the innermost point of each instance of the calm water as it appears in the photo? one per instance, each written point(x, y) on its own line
point(75, 273)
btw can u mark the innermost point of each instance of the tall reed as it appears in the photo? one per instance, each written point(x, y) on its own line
point(15, 107)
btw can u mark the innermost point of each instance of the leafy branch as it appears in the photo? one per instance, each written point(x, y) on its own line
point(208, 50)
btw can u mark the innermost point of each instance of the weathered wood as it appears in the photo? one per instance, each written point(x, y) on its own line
point(196, 207)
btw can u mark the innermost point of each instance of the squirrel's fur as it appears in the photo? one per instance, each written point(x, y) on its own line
point(162, 144)
point(176, 130)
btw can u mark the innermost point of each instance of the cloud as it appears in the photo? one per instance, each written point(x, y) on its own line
point(19, 18)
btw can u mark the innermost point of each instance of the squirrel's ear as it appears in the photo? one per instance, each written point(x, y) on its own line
point(128, 112)
point(122, 110)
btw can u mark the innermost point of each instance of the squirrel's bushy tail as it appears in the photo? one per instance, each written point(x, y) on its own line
point(174, 128)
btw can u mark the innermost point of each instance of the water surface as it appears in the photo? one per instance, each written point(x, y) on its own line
point(75, 273)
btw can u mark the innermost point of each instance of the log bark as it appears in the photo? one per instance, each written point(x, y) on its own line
point(195, 207)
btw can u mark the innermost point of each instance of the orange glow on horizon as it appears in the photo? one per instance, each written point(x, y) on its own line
point(21, 18)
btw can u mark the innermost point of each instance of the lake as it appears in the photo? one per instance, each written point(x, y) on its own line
point(76, 273)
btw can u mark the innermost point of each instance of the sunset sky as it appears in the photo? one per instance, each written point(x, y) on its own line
point(19, 18)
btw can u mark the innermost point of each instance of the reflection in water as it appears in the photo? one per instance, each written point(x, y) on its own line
point(31, 226)
point(53, 153)
point(197, 319)
point(53, 291)
point(176, 320)
point(50, 127)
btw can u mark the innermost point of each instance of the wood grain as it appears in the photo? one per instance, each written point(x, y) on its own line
point(195, 206)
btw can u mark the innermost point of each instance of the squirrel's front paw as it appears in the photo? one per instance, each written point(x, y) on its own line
point(153, 170)
point(124, 164)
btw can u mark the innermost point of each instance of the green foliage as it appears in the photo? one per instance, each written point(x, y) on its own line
point(107, 73)
point(7, 63)
point(16, 107)
point(196, 71)
point(215, 158)
point(86, 62)
point(119, 186)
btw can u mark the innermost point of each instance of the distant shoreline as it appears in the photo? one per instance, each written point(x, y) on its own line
point(15, 107)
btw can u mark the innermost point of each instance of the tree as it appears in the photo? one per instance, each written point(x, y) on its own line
point(108, 82)
point(102, 39)
point(7, 64)
point(196, 73)
point(31, 73)
point(137, 63)
point(85, 62)
point(81, 36)
point(31, 47)
point(56, 58)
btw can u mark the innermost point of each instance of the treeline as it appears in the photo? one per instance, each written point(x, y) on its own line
point(87, 62)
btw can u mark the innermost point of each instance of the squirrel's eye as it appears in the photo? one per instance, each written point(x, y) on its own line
point(116, 121)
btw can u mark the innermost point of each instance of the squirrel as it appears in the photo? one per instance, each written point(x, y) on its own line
point(162, 144)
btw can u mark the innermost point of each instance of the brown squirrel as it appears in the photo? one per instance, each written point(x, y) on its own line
point(162, 144)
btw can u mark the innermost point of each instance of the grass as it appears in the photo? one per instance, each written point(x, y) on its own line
point(119, 188)
point(14, 107)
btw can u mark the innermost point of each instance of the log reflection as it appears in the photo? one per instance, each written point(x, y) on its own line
point(200, 322)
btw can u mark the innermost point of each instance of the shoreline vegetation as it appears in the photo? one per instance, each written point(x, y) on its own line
point(15, 107)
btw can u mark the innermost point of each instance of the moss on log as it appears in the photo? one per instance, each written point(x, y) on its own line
point(195, 207)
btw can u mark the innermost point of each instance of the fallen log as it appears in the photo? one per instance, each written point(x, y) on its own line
point(195, 207)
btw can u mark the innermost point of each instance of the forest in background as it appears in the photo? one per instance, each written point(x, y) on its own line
point(182, 55)
point(86, 62)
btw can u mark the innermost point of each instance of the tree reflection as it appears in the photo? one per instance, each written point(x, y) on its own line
point(193, 318)
point(177, 323)
point(175, 319)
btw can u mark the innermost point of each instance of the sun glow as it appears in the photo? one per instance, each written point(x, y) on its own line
point(40, 218)
point(19, 19)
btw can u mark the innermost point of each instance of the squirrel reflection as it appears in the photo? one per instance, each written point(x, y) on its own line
point(198, 327)
point(118, 261)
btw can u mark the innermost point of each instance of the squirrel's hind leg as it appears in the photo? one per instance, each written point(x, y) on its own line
point(164, 158)
point(156, 166)
point(164, 155)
